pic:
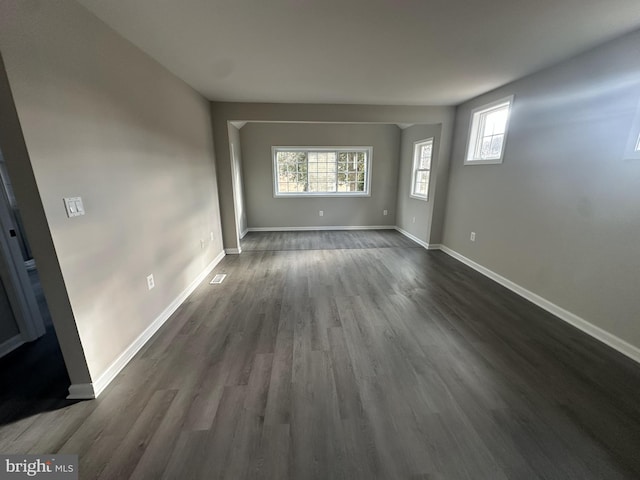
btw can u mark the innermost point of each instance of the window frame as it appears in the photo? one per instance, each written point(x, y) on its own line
point(368, 150)
point(474, 137)
point(414, 170)
point(632, 150)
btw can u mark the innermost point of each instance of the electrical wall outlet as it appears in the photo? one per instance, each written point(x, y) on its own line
point(150, 282)
point(202, 243)
point(321, 213)
point(384, 212)
point(413, 220)
point(211, 234)
point(472, 237)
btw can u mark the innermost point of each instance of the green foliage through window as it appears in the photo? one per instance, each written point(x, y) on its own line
point(422, 152)
point(322, 171)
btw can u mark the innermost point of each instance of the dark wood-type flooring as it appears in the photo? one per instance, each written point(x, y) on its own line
point(325, 240)
point(354, 363)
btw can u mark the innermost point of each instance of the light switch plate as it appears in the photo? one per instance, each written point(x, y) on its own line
point(74, 206)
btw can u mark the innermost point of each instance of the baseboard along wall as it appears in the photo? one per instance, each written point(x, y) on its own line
point(92, 390)
point(598, 333)
point(311, 229)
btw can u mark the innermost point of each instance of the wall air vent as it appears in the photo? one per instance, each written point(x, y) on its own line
point(219, 278)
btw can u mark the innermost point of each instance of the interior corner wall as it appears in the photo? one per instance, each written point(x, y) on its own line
point(409, 208)
point(221, 140)
point(266, 211)
point(104, 121)
point(561, 216)
point(238, 180)
point(37, 228)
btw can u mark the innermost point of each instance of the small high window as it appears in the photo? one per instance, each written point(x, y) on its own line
point(321, 171)
point(632, 149)
point(422, 153)
point(487, 137)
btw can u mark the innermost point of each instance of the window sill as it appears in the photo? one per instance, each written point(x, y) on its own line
point(496, 161)
point(632, 156)
point(321, 195)
point(417, 197)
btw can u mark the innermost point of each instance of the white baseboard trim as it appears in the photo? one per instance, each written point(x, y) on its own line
point(244, 233)
point(411, 236)
point(10, 345)
point(309, 229)
point(81, 391)
point(598, 333)
point(233, 251)
point(116, 367)
point(433, 246)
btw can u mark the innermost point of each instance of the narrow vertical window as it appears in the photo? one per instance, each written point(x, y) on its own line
point(422, 154)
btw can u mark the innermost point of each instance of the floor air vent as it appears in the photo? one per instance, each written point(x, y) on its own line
point(219, 278)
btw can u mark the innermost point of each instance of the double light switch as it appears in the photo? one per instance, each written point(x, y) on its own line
point(74, 206)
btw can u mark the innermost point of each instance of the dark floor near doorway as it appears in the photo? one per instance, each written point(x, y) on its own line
point(33, 378)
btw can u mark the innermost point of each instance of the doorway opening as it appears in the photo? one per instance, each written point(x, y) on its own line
point(33, 374)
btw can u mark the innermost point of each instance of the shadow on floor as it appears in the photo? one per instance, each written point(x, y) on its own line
point(33, 378)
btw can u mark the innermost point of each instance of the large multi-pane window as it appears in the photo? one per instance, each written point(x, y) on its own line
point(488, 133)
point(422, 153)
point(339, 171)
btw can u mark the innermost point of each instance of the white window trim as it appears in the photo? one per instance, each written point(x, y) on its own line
point(367, 179)
point(414, 170)
point(473, 132)
point(632, 150)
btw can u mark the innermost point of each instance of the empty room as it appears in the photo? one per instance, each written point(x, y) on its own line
point(304, 239)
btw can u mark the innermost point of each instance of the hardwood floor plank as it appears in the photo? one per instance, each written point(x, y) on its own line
point(128, 452)
point(349, 401)
point(318, 447)
point(214, 461)
point(155, 458)
point(279, 397)
point(244, 446)
point(189, 451)
point(273, 458)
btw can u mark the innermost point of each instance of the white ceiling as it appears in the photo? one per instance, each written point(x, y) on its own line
point(413, 52)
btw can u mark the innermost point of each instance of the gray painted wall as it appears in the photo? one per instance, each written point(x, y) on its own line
point(238, 181)
point(263, 210)
point(408, 207)
point(104, 121)
point(26, 190)
point(561, 215)
point(267, 112)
